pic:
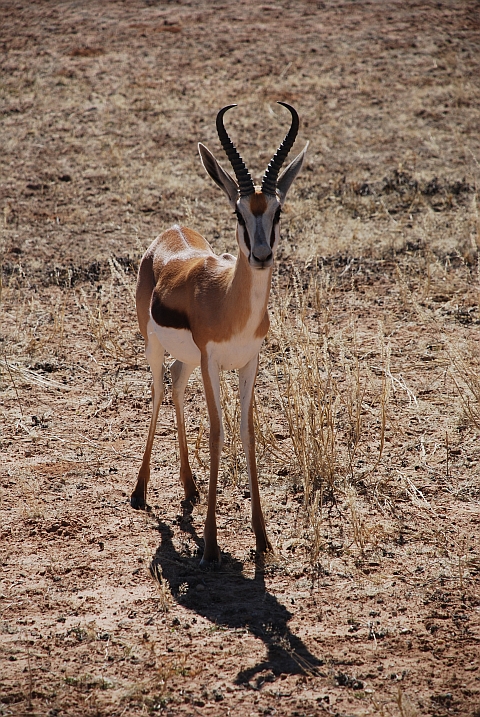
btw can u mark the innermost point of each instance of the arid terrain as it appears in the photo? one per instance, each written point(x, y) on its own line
point(368, 394)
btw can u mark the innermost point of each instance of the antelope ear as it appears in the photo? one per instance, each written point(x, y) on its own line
point(219, 175)
point(288, 175)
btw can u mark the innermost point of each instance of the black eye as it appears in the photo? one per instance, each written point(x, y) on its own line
point(240, 218)
point(276, 218)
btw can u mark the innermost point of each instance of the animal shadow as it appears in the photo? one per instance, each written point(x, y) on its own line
point(227, 598)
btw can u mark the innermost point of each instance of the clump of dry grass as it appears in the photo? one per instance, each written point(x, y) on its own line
point(465, 372)
point(328, 394)
point(164, 594)
point(111, 337)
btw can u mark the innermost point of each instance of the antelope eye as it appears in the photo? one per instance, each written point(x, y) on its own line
point(276, 218)
point(240, 218)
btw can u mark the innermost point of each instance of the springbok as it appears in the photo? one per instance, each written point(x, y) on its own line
point(211, 311)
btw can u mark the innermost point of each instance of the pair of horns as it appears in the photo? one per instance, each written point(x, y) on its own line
point(244, 180)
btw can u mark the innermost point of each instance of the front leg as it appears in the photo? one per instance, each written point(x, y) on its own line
point(247, 376)
point(211, 383)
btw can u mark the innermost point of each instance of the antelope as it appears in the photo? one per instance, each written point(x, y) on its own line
point(211, 311)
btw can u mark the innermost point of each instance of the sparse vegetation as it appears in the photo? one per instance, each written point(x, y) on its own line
point(368, 397)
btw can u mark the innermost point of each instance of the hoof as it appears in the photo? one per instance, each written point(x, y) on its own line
point(138, 503)
point(187, 509)
point(210, 565)
point(192, 494)
point(264, 547)
point(211, 562)
point(193, 498)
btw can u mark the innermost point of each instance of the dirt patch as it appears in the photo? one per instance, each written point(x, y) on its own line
point(368, 397)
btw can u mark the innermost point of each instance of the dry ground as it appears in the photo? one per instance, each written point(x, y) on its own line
point(368, 401)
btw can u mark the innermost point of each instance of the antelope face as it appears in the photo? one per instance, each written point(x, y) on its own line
point(257, 209)
point(258, 228)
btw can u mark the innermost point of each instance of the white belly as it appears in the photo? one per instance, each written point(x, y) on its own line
point(235, 353)
point(232, 354)
point(178, 342)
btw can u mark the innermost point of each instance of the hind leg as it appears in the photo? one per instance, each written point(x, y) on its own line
point(154, 353)
point(180, 374)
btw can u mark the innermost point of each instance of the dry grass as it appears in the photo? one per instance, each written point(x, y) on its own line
point(337, 399)
point(336, 402)
point(368, 397)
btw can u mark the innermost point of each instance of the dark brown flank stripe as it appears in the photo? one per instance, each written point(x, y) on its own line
point(167, 317)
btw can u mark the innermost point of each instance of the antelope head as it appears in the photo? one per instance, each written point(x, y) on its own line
point(257, 209)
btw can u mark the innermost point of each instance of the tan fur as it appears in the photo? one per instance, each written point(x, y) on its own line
point(222, 302)
point(258, 203)
point(211, 290)
point(211, 311)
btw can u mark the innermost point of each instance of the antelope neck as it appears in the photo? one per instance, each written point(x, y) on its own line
point(250, 289)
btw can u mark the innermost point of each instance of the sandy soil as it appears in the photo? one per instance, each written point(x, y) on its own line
point(371, 602)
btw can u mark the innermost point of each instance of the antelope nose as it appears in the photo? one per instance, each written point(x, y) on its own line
point(262, 254)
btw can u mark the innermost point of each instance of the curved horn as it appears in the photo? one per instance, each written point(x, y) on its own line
point(269, 181)
point(245, 182)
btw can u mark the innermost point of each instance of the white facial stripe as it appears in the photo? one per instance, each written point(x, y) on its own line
point(276, 235)
point(258, 230)
point(241, 241)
